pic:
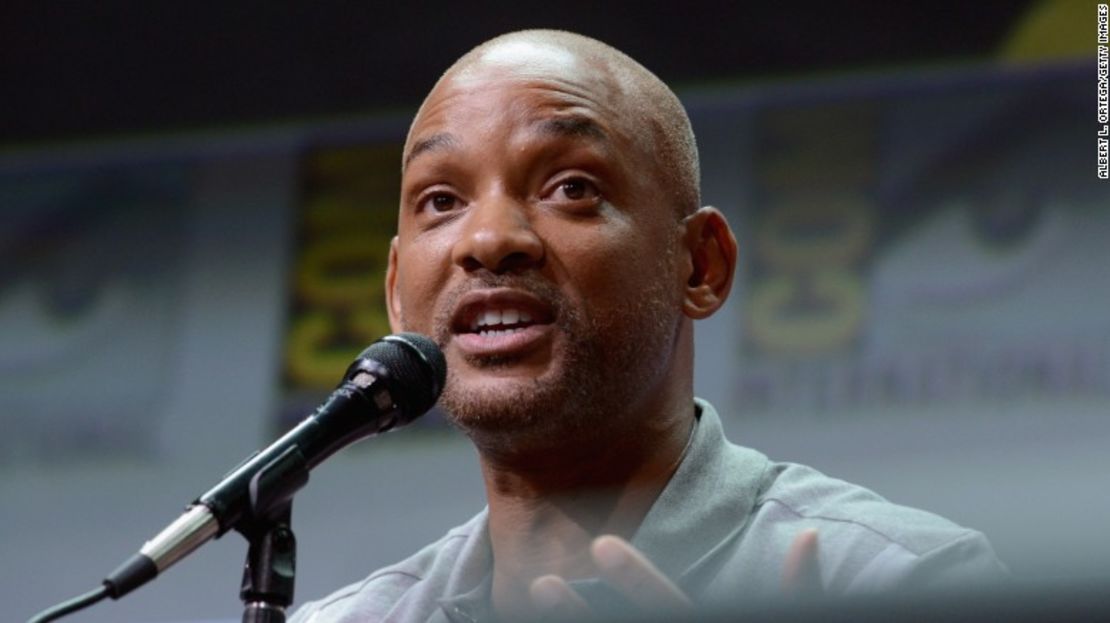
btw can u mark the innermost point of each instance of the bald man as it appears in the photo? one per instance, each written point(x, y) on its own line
point(552, 242)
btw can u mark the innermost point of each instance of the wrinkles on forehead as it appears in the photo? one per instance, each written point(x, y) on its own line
point(580, 98)
point(570, 126)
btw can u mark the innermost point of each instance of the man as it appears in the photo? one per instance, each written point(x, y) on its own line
point(551, 241)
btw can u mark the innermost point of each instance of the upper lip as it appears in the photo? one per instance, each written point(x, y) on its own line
point(478, 301)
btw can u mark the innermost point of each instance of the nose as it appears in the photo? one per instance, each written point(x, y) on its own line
point(498, 236)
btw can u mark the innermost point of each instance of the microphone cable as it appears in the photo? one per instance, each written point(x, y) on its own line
point(73, 605)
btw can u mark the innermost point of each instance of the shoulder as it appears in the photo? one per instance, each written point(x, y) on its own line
point(865, 542)
point(740, 513)
point(407, 590)
point(791, 490)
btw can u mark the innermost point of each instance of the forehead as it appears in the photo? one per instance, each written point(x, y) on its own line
point(524, 57)
point(514, 85)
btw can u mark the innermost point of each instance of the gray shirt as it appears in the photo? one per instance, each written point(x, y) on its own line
point(720, 529)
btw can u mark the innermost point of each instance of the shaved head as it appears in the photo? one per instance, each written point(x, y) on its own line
point(653, 115)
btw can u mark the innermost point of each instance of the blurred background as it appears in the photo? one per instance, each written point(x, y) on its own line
point(196, 202)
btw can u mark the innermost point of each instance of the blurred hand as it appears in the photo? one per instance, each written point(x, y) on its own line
point(800, 573)
point(624, 569)
point(647, 590)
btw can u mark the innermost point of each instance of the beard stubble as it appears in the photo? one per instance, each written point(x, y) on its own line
point(602, 365)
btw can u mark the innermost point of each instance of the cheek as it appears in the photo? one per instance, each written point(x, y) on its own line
point(608, 267)
point(420, 276)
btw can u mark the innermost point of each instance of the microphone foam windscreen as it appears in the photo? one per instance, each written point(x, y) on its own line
point(417, 370)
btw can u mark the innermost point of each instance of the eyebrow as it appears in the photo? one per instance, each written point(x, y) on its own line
point(442, 140)
point(574, 127)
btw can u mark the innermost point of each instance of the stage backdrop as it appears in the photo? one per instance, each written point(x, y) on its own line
point(922, 306)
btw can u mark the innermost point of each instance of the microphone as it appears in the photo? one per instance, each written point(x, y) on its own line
point(393, 382)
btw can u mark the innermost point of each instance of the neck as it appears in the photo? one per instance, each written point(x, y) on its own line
point(544, 513)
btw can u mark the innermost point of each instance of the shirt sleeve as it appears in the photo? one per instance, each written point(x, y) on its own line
point(967, 561)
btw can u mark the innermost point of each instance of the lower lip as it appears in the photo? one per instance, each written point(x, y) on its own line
point(515, 343)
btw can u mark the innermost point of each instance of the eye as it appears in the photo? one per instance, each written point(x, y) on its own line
point(440, 202)
point(575, 189)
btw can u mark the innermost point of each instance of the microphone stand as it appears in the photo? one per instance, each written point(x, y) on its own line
point(267, 588)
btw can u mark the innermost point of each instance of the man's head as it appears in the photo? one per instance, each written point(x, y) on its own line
point(652, 115)
point(550, 238)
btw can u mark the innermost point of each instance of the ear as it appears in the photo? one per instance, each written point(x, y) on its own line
point(712, 252)
point(392, 301)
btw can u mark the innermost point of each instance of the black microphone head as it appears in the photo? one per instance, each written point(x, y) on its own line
point(416, 369)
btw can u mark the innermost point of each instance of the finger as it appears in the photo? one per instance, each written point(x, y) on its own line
point(801, 573)
point(554, 598)
point(631, 573)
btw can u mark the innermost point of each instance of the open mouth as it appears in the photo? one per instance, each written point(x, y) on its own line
point(495, 322)
point(501, 321)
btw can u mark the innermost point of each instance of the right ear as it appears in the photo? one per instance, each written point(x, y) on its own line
point(392, 300)
point(712, 248)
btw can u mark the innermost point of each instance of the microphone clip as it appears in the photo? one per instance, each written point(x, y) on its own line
point(271, 566)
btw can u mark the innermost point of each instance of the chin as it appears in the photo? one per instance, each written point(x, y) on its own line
point(496, 402)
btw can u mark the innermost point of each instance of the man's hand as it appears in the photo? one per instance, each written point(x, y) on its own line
point(800, 573)
point(636, 579)
point(625, 569)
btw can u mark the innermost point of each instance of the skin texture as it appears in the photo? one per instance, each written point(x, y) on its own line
point(550, 173)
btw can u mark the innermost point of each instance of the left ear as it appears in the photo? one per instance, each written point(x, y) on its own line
point(712, 266)
point(392, 300)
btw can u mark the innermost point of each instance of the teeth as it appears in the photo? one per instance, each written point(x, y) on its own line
point(498, 332)
point(495, 317)
point(491, 317)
